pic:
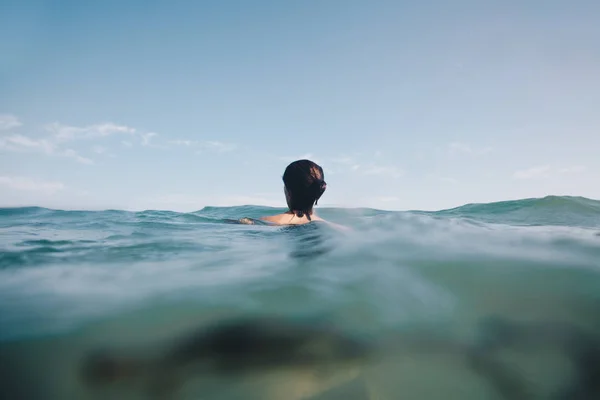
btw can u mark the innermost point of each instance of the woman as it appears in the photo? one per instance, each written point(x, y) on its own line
point(304, 185)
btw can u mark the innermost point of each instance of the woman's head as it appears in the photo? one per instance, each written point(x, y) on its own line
point(304, 184)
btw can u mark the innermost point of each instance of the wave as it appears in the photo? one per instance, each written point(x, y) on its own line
point(549, 210)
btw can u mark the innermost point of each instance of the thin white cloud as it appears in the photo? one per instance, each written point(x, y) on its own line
point(545, 171)
point(574, 169)
point(24, 144)
point(57, 135)
point(205, 146)
point(70, 153)
point(8, 121)
point(465, 148)
point(65, 132)
point(146, 137)
point(186, 143)
point(32, 185)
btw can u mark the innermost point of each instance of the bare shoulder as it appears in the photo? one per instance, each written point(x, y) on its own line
point(284, 219)
point(274, 219)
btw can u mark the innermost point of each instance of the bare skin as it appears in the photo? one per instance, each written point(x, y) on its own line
point(289, 218)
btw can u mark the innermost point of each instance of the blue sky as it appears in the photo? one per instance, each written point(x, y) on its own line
point(177, 105)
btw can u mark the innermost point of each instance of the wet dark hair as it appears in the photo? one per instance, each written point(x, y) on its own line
point(304, 181)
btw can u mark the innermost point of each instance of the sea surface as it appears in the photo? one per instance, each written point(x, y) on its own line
point(75, 281)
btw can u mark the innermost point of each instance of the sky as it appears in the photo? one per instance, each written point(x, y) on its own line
point(406, 105)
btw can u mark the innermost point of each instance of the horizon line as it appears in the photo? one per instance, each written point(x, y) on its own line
point(13, 207)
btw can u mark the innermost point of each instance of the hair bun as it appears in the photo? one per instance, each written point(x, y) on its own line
point(319, 185)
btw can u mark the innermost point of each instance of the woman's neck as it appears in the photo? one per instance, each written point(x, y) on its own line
point(296, 212)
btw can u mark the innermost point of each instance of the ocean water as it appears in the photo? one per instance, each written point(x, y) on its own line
point(485, 301)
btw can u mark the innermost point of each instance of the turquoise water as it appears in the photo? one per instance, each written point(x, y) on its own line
point(73, 280)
